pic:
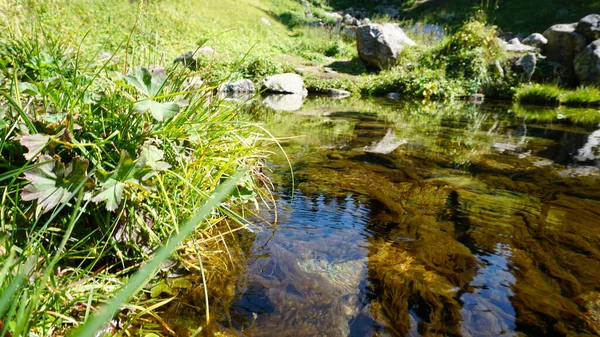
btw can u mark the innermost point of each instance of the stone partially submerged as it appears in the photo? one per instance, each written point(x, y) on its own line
point(379, 45)
point(288, 83)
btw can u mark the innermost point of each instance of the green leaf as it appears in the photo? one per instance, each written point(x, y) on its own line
point(53, 183)
point(149, 84)
point(151, 156)
point(159, 111)
point(34, 144)
point(127, 173)
point(28, 88)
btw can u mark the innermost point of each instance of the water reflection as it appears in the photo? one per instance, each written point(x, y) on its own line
point(428, 220)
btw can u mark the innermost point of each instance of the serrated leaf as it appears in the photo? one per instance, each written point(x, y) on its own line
point(34, 144)
point(159, 111)
point(53, 183)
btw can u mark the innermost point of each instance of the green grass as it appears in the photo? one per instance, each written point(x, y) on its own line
point(539, 94)
point(548, 94)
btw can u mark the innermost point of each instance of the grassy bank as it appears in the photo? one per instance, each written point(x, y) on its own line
point(107, 149)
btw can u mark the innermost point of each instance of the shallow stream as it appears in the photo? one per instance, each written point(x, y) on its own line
point(427, 220)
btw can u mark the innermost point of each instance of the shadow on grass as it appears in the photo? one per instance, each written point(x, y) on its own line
point(351, 67)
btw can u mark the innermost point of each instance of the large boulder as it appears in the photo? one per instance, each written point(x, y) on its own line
point(587, 64)
point(564, 43)
point(379, 45)
point(589, 27)
point(288, 83)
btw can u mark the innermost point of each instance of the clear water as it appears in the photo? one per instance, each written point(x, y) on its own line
point(427, 220)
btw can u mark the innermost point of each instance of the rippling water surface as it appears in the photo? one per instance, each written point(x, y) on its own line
point(427, 220)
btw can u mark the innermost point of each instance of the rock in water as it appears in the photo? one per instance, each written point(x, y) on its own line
point(337, 93)
point(564, 43)
point(587, 64)
point(535, 40)
point(244, 86)
point(288, 83)
point(589, 27)
point(379, 45)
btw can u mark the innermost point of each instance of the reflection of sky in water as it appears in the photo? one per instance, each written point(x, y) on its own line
point(487, 310)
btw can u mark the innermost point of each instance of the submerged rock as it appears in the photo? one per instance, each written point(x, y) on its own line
point(387, 144)
point(379, 45)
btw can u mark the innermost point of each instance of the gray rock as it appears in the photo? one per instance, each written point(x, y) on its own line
point(587, 64)
point(289, 83)
point(535, 40)
point(589, 27)
point(284, 102)
point(515, 46)
point(244, 86)
point(436, 32)
point(527, 64)
point(394, 95)
point(187, 60)
point(329, 70)
point(337, 93)
point(379, 45)
point(351, 21)
point(564, 43)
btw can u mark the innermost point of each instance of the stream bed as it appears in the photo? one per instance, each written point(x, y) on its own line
point(410, 219)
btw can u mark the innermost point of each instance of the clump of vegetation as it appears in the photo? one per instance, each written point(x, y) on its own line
point(539, 94)
point(551, 94)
